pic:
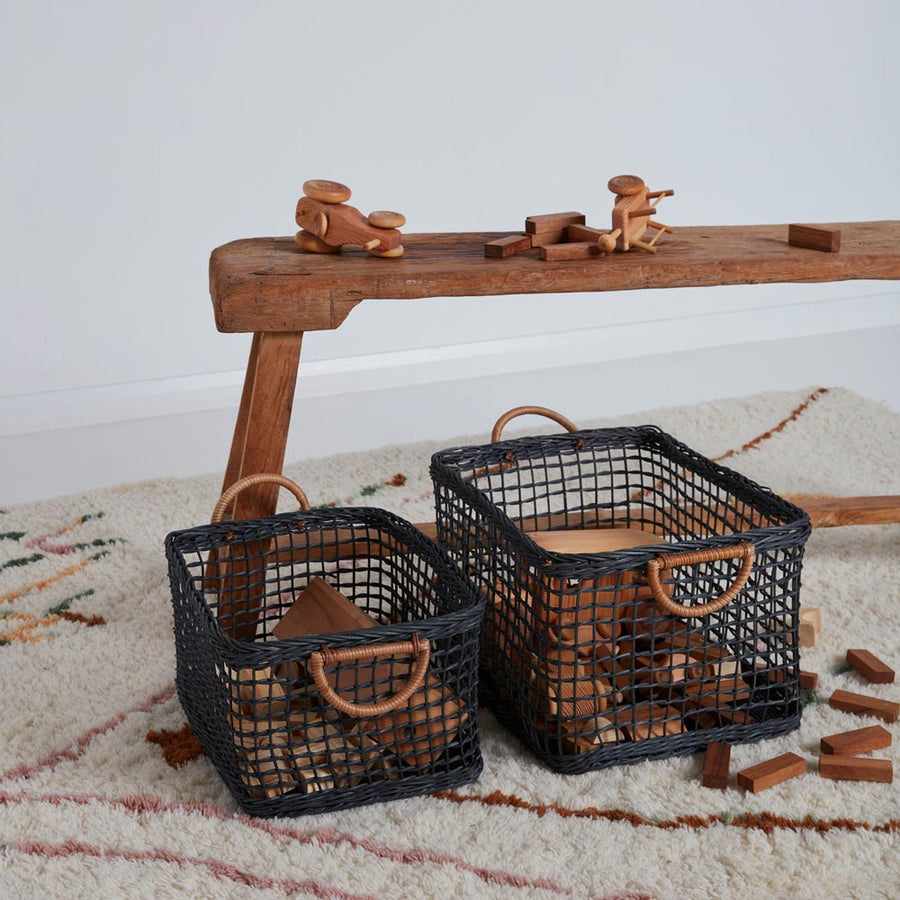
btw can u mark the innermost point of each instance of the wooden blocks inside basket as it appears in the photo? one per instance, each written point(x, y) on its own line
point(330, 225)
point(336, 718)
point(565, 236)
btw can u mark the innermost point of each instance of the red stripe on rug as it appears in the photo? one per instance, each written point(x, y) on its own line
point(217, 868)
point(143, 805)
point(77, 748)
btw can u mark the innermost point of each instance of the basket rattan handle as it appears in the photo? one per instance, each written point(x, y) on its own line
point(263, 478)
point(559, 418)
point(318, 659)
point(742, 551)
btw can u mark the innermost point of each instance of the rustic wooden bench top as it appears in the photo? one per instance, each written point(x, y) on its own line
point(269, 285)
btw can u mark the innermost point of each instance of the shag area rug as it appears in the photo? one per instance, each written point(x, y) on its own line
point(103, 794)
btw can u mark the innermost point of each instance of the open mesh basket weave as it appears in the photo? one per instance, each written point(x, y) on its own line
point(324, 721)
point(595, 659)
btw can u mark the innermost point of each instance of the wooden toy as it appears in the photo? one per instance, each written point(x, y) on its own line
point(508, 246)
point(767, 774)
point(593, 540)
point(809, 680)
point(330, 225)
point(320, 609)
point(806, 635)
point(546, 238)
point(864, 705)
point(715, 766)
point(870, 667)
point(855, 768)
point(815, 237)
point(852, 743)
point(271, 770)
point(631, 215)
point(644, 721)
point(570, 250)
point(810, 626)
point(553, 222)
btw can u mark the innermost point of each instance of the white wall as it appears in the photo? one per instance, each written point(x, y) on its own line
point(136, 137)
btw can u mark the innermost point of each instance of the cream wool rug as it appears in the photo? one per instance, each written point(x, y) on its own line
point(89, 807)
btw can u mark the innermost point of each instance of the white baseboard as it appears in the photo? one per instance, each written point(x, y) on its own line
point(113, 403)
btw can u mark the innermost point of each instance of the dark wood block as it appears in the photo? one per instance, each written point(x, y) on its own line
point(855, 768)
point(852, 743)
point(507, 246)
point(574, 250)
point(771, 772)
point(815, 237)
point(864, 705)
point(809, 680)
point(870, 667)
point(553, 221)
point(715, 767)
point(545, 238)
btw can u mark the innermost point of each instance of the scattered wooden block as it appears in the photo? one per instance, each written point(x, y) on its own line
point(855, 768)
point(809, 680)
point(715, 766)
point(583, 233)
point(553, 222)
point(767, 774)
point(852, 743)
point(812, 615)
point(574, 250)
point(807, 635)
point(870, 667)
point(507, 246)
point(864, 705)
point(814, 237)
point(546, 238)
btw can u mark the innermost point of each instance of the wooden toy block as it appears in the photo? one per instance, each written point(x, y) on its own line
point(575, 741)
point(592, 540)
point(270, 766)
point(644, 721)
point(864, 705)
point(809, 680)
point(507, 246)
point(545, 238)
point(870, 667)
point(855, 768)
point(320, 609)
point(806, 635)
point(852, 743)
point(811, 615)
point(256, 693)
point(338, 224)
point(767, 774)
point(583, 233)
point(553, 222)
point(814, 237)
point(715, 766)
point(574, 250)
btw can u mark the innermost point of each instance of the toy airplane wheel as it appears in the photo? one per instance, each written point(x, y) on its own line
point(326, 191)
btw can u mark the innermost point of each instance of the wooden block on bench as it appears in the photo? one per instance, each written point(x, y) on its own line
point(771, 772)
point(715, 766)
point(545, 238)
point(577, 250)
point(553, 222)
point(855, 768)
point(864, 705)
point(870, 667)
point(852, 743)
point(507, 246)
point(814, 237)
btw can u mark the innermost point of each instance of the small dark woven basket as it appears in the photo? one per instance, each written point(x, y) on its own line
point(326, 721)
point(596, 659)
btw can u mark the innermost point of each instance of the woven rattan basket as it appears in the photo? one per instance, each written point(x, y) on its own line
point(323, 721)
point(682, 636)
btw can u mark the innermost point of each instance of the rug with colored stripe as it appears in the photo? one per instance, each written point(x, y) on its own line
point(104, 792)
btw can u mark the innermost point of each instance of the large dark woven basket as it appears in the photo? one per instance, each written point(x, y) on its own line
point(584, 657)
point(297, 726)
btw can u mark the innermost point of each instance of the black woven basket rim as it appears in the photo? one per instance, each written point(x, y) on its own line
point(440, 626)
point(764, 499)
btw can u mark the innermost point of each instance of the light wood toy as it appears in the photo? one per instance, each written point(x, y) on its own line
point(559, 236)
point(330, 225)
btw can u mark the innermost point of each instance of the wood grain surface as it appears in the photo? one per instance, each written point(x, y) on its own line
point(268, 284)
